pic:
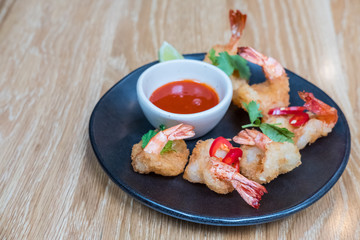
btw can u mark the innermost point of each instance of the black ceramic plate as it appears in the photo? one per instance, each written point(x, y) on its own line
point(117, 123)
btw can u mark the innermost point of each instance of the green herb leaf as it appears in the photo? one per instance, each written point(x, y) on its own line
point(146, 137)
point(249, 125)
point(150, 134)
point(167, 147)
point(225, 63)
point(257, 122)
point(229, 63)
point(254, 113)
point(212, 57)
point(276, 133)
point(240, 64)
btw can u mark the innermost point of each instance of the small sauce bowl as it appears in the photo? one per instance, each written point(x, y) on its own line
point(177, 70)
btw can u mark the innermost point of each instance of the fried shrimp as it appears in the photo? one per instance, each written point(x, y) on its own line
point(322, 119)
point(170, 163)
point(237, 25)
point(198, 169)
point(249, 190)
point(219, 176)
point(263, 160)
point(274, 92)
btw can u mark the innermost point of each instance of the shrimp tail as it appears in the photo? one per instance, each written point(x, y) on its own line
point(272, 68)
point(157, 143)
point(252, 137)
point(237, 25)
point(323, 111)
point(243, 138)
point(181, 131)
point(249, 190)
point(252, 55)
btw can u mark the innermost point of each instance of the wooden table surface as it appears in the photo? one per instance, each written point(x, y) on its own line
point(59, 57)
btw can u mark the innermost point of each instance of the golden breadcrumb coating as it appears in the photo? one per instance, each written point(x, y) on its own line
point(264, 166)
point(267, 94)
point(306, 134)
point(198, 169)
point(167, 164)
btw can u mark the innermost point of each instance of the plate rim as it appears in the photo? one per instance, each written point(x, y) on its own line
point(207, 220)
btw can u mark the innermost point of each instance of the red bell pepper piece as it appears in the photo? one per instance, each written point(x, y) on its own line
point(299, 119)
point(232, 156)
point(286, 110)
point(219, 143)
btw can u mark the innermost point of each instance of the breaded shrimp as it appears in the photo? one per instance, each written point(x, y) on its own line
point(220, 177)
point(237, 25)
point(171, 163)
point(322, 120)
point(274, 92)
point(263, 160)
point(249, 190)
point(198, 169)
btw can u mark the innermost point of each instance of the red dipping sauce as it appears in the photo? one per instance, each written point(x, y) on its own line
point(184, 97)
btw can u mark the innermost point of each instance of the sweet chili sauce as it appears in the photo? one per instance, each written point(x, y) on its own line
point(184, 97)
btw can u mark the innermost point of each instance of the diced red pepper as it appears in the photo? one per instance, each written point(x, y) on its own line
point(232, 156)
point(219, 143)
point(286, 110)
point(299, 119)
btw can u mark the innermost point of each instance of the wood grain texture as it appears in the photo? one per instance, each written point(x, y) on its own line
point(59, 57)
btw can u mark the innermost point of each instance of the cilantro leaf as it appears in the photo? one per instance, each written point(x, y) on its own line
point(167, 147)
point(146, 137)
point(277, 134)
point(230, 63)
point(240, 64)
point(212, 57)
point(225, 63)
point(253, 110)
point(150, 134)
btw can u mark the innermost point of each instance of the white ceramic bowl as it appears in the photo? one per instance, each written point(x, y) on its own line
point(176, 70)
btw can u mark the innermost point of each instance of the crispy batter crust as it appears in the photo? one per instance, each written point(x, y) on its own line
point(310, 132)
point(262, 167)
point(198, 169)
point(306, 134)
point(267, 95)
point(167, 164)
